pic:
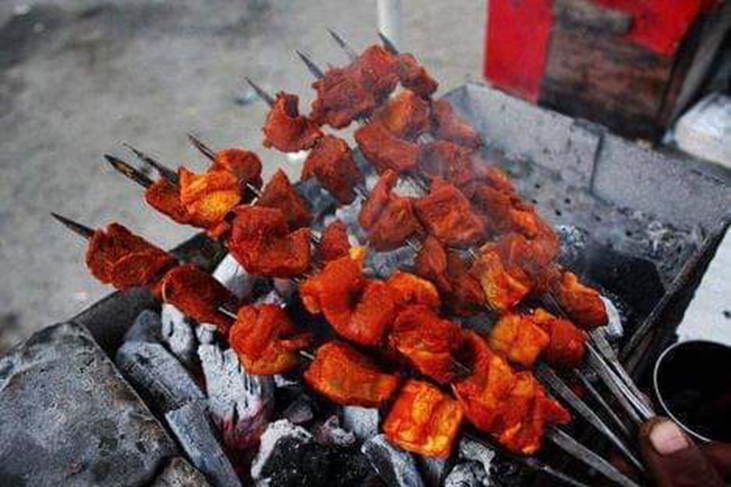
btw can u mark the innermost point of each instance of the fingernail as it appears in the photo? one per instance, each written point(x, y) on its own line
point(667, 438)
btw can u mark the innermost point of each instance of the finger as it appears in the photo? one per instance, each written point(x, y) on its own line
point(719, 454)
point(672, 459)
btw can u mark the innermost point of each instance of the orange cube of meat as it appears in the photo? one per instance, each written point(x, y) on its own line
point(448, 126)
point(285, 129)
point(518, 339)
point(331, 162)
point(208, 197)
point(279, 193)
point(423, 420)
point(406, 115)
point(446, 214)
point(581, 303)
point(431, 263)
point(266, 340)
point(334, 242)
point(341, 98)
point(415, 77)
point(409, 289)
point(385, 151)
point(164, 196)
point(348, 377)
point(448, 161)
point(244, 165)
point(566, 346)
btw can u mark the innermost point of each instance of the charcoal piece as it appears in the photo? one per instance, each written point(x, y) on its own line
point(300, 411)
point(240, 404)
point(180, 473)
point(362, 422)
point(467, 474)
point(477, 452)
point(68, 416)
point(395, 466)
point(348, 467)
point(190, 426)
point(572, 244)
point(157, 376)
point(230, 273)
point(432, 469)
point(481, 322)
point(274, 433)
point(146, 328)
point(320, 201)
point(383, 264)
point(178, 333)
point(330, 433)
point(348, 214)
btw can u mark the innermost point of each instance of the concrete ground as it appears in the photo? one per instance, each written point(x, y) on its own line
point(77, 77)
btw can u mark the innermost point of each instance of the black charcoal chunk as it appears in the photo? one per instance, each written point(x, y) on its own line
point(467, 474)
point(362, 422)
point(432, 469)
point(274, 433)
point(146, 328)
point(69, 418)
point(383, 264)
point(477, 452)
point(178, 332)
point(190, 426)
point(157, 376)
point(300, 411)
point(179, 473)
point(330, 433)
point(234, 277)
point(240, 404)
point(395, 466)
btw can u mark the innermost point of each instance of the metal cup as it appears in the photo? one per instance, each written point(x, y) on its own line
point(692, 385)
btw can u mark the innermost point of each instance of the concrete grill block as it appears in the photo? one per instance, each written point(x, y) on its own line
point(69, 418)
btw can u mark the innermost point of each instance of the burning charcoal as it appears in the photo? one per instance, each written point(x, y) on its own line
point(395, 466)
point(234, 277)
point(178, 332)
point(157, 375)
point(274, 433)
point(146, 328)
point(69, 418)
point(180, 473)
point(573, 241)
point(467, 474)
point(190, 426)
point(384, 264)
point(330, 433)
point(206, 333)
point(363, 422)
point(299, 411)
point(240, 404)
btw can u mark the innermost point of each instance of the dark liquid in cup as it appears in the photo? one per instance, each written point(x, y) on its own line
point(694, 380)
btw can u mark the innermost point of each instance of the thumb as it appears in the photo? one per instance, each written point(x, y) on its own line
point(672, 459)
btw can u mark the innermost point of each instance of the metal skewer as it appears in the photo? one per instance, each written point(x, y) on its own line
point(75, 227)
point(203, 148)
point(164, 171)
point(260, 92)
point(581, 377)
point(352, 55)
point(387, 44)
point(131, 172)
point(311, 66)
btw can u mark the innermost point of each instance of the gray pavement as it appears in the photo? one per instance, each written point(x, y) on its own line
point(77, 77)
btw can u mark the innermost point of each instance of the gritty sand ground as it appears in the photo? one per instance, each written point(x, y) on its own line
point(77, 77)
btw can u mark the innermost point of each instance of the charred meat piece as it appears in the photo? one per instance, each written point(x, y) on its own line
point(448, 126)
point(446, 214)
point(244, 165)
point(279, 193)
point(359, 309)
point(431, 264)
point(285, 129)
point(406, 115)
point(567, 343)
point(582, 304)
point(266, 340)
point(334, 242)
point(331, 162)
point(423, 420)
point(384, 150)
point(348, 377)
point(519, 339)
point(389, 219)
point(503, 212)
point(448, 161)
point(208, 197)
point(409, 289)
point(341, 98)
point(427, 342)
point(261, 242)
point(164, 196)
point(118, 257)
point(378, 71)
point(415, 77)
point(198, 295)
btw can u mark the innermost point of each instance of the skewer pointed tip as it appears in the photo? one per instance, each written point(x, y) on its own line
point(388, 44)
point(311, 66)
point(75, 227)
point(127, 170)
point(352, 55)
point(260, 92)
point(202, 147)
point(164, 171)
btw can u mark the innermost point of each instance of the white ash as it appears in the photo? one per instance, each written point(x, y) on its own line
point(206, 333)
point(467, 474)
point(300, 410)
point(362, 422)
point(284, 382)
point(406, 188)
point(573, 241)
point(146, 328)
point(383, 264)
point(330, 433)
point(190, 426)
point(178, 332)
point(274, 432)
point(433, 470)
point(240, 404)
point(394, 465)
point(477, 452)
point(614, 326)
point(348, 214)
point(157, 375)
point(230, 273)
